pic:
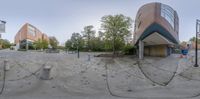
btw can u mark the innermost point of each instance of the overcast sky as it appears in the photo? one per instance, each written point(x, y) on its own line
point(60, 18)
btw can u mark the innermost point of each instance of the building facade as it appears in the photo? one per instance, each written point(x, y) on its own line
point(156, 30)
point(27, 35)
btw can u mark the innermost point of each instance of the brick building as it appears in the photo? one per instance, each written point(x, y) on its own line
point(156, 30)
point(27, 35)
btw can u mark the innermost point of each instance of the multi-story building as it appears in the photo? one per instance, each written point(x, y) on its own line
point(156, 30)
point(27, 35)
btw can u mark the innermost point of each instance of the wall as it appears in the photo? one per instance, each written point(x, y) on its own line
point(156, 50)
point(144, 18)
point(25, 35)
point(149, 14)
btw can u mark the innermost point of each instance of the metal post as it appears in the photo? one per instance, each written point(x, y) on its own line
point(2, 30)
point(77, 51)
point(196, 44)
point(88, 57)
point(77, 42)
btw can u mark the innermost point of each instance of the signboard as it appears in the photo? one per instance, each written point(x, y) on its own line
point(2, 26)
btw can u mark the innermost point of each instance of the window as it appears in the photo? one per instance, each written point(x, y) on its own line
point(31, 30)
point(139, 25)
point(168, 13)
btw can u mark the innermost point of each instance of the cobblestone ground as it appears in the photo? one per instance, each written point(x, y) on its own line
point(99, 78)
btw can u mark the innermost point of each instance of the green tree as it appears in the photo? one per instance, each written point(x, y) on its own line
point(40, 44)
point(5, 43)
point(68, 44)
point(98, 42)
point(75, 42)
point(45, 44)
point(88, 35)
point(53, 42)
point(116, 28)
point(193, 39)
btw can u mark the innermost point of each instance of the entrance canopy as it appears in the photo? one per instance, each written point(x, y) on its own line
point(156, 39)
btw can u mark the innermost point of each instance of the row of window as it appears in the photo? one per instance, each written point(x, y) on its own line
point(168, 13)
point(31, 30)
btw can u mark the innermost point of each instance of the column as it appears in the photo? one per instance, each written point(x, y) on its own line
point(141, 49)
point(27, 45)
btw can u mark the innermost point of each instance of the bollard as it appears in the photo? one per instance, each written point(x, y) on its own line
point(67, 51)
point(46, 73)
point(7, 67)
point(192, 59)
point(88, 57)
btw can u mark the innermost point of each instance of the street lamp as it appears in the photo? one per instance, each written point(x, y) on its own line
point(4, 22)
point(196, 44)
point(77, 46)
point(2, 26)
point(2, 29)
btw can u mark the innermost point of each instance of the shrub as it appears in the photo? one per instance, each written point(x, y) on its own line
point(21, 50)
point(129, 50)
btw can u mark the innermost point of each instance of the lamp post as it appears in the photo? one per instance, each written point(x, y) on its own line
point(77, 46)
point(2, 28)
point(196, 44)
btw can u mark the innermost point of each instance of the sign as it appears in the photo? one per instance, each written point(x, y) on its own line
point(2, 26)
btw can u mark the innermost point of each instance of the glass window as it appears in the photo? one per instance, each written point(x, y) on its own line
point(31, 30)
point(168, 13)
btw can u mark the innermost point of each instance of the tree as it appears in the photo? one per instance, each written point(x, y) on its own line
point(116, 28)
point(53, 42)
point(75, 42)
point(68, 44)
point(193, 39)
point(88, 34)
point(45, 44)
point(40, 44)
point(4, 43)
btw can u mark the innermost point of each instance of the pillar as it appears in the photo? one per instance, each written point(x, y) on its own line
point(141, 49)
point(27, 45)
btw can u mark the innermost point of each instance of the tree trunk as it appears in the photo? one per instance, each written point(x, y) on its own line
point(113, 45)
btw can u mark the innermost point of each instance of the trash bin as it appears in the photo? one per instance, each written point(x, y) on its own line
point(184, 51)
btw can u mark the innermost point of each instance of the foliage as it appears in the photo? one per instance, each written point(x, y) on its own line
point(193, 39)
point(75, 42)
point(5, 43)
point(129, 49)
point(21, 50)
point(53, 42)
point(68, 44)
point(114, 36)
point(116, 28)
point(97, 44)
point(61, 47)
point(176, 51)
point(40, 44)
point(88, 35)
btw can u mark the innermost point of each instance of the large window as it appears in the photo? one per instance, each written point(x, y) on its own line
point(31, 30)
point(168, 13)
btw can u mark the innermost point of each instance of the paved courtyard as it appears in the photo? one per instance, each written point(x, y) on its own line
point(99, 78)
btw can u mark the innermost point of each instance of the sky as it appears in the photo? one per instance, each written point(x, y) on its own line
point(60, 18)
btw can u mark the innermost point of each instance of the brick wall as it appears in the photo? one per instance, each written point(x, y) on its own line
point(24, 34)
